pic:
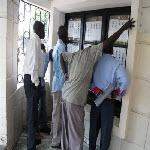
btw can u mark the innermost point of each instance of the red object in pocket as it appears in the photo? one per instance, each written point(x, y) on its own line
point(96, 90)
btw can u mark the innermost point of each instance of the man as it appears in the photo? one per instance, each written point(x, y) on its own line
point(33, 71)
point(75, 90)
point(107, 70)
point(42, 105)
point(57, 84)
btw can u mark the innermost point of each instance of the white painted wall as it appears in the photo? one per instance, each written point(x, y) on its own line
point(10, 100)
point(57, 19)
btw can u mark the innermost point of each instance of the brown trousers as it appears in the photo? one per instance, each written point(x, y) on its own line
point(72, 136)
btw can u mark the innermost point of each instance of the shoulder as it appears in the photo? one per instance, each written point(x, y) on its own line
point(35, 38)
point(111, 59)
point(61, 48)
point(115, 61)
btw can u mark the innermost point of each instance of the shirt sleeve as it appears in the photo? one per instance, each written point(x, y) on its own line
point(123, 80)
point(47, 60)
point(35, 74)
point(96, 51)
point(67, 57)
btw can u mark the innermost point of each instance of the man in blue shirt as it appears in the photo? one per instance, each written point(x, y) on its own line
point(107, 70)
point(57, 85)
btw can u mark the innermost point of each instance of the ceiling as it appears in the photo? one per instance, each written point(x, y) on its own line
point(68, 6)
point(42, 3)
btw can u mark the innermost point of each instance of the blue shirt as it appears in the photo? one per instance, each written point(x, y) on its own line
point(108, 70)
point(58, 77)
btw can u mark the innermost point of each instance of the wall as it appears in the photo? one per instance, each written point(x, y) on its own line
point(139, 126)
point(15, 117)
point(57, 19)
point(11, 99)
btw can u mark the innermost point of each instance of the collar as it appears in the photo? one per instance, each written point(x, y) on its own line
point(60, 42)
point(105, 54)
point(36, 35)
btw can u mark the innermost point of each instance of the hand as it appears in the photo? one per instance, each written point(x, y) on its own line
point(114, 94)
point(43, 48)
point(129, 24)
point(100, 92)
point(66, 76)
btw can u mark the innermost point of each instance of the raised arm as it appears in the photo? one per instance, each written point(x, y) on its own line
point(115, 36)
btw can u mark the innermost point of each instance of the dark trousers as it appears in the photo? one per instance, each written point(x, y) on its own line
point(32, 95)
point(101, 117)
point(42, 109)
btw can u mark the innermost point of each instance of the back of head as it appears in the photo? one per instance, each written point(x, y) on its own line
point(108, 50)
point(38, 25)
point(38, 28)
point(62, 33)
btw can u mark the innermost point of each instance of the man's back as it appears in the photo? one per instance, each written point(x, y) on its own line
point(34, 58)
point(108, 70)
point(80, 71)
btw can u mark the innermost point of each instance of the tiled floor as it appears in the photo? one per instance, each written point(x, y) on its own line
point(22, 143)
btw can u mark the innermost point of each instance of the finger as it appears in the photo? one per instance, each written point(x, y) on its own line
point(131, 19)
point(133, 22)
point(132, 26)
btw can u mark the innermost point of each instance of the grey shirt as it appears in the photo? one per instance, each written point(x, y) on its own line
point(80, 64)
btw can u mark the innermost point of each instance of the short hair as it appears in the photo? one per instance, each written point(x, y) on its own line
point(109, 49)
point(38, 25)
point(60, 30)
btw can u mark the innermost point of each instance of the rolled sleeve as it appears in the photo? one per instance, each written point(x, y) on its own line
point(67, 57)
point(123, 80)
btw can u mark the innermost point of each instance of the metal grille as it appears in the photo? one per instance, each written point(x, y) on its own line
point(28, 14)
